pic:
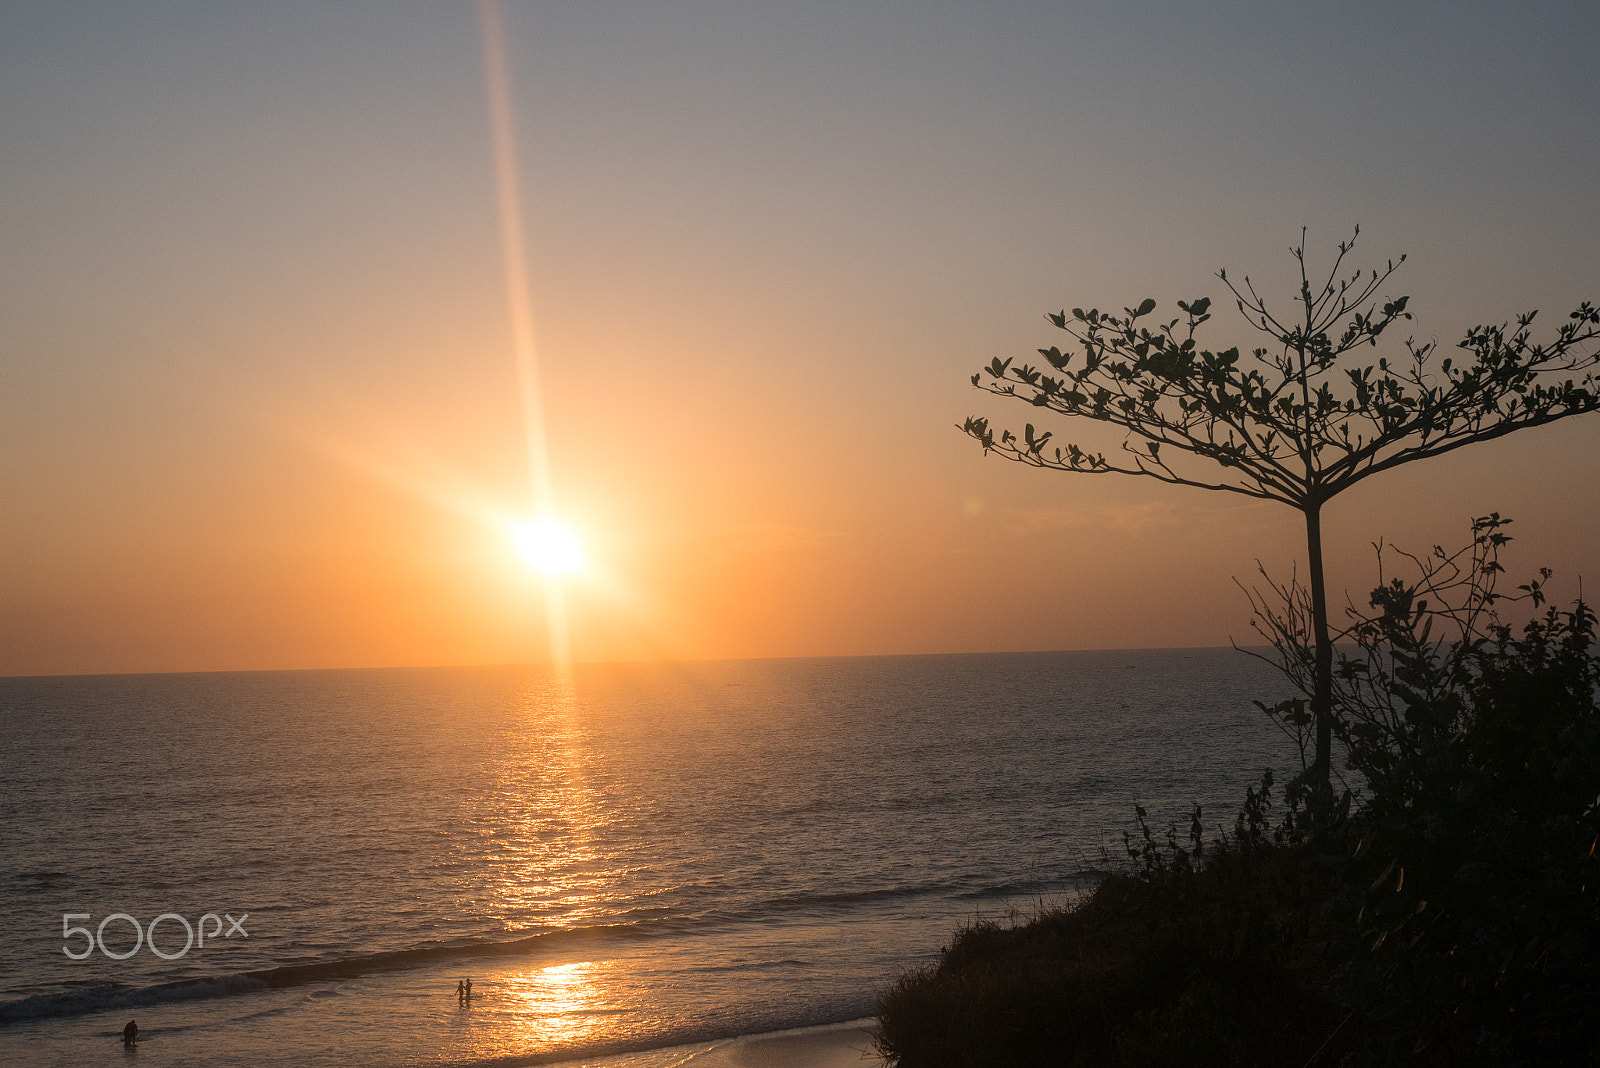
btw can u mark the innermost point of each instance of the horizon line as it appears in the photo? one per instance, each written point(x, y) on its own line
point(548, 665)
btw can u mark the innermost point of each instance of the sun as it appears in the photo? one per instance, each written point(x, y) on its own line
point(549, 546)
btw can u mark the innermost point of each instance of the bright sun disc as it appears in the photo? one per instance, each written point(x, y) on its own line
point(548, 546)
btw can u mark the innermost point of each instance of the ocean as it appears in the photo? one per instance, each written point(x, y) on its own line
point(299, 868)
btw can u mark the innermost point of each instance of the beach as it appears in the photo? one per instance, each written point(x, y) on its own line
point(841, 1045)
point(637, 859)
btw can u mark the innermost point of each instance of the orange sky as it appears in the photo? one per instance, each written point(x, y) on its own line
point(258, 404)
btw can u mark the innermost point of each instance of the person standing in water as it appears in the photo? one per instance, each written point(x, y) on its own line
point(469, 989)
point(130, 1034)
point(461, 991)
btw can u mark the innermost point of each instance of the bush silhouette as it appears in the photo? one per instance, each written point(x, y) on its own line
point(1449, 915)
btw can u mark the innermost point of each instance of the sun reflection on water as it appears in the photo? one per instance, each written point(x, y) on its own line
point(544, 818)
point(561, 1001)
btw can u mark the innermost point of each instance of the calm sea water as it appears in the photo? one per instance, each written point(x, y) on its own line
point(629, 858)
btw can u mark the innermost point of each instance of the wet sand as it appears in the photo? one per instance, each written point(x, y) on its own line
point(842, 1045)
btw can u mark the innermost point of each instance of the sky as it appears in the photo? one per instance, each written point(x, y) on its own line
point(259, 404)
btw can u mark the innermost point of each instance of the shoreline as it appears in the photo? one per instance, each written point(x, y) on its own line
point(836, 1045)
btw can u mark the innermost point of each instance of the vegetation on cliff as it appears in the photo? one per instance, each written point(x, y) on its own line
point(1447, 913)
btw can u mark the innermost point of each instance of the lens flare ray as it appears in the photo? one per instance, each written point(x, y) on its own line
point(523, 337)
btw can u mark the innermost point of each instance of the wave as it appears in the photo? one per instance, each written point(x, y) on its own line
point(956, 889)
point(109, 996)
point(788, 904)
point(116, 996)
point(1068, 885)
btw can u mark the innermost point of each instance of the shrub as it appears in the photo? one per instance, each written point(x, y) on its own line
point(1482, 755)
point(1195, 956)
point(1448, 915)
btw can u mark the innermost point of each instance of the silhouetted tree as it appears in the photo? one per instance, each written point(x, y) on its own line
point(1296, 422)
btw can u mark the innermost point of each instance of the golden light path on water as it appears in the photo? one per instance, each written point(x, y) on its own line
point(562, 998)
point(544, 786)
point(523, 340)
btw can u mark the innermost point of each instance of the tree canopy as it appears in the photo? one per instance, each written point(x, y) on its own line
point(1295, 421)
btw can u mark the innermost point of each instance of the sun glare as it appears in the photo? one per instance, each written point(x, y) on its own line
point(549, 546)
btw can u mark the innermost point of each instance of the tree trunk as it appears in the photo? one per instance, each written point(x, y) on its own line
point(1321, 781)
